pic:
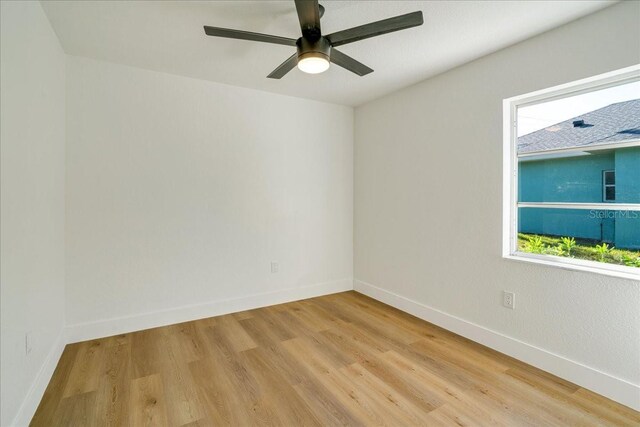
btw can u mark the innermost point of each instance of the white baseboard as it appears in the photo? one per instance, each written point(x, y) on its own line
point(614, 388)
point(138, 322)
point(39, 385)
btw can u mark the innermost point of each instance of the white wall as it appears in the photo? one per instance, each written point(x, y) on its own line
point(32, 116)
point(181, 192)
point(428, 201)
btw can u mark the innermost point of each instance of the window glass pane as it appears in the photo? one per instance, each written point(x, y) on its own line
point(606, 116)
point(550, 231)
point(609, 178)
point(571, 179)
point(610, 193)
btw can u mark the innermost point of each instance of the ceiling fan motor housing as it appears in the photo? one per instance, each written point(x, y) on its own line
point(318, 48)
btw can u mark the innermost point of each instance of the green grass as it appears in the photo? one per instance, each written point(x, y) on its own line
point(584, 249)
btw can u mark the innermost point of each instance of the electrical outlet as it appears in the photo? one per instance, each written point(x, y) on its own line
point(27, 343)
point(509, 299)
point(275, 267)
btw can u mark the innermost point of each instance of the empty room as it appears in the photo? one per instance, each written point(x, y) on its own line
point(292, 212)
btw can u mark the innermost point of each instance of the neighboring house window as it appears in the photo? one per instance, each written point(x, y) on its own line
point(572, 175)
point(609, 186)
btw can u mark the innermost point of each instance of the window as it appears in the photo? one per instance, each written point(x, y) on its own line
point(609, 186)
point(572, 175)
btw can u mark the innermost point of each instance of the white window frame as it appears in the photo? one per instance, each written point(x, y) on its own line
point(605, 185)
point(510, 173)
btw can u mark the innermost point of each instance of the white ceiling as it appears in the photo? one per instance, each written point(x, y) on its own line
point(168, 36)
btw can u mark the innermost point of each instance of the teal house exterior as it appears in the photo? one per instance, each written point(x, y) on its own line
point(594, 158)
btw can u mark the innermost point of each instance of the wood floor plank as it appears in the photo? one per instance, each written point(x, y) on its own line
point(369, 322)
point(366, 353)
point(53, 394)
point(261, 333)
point(76, 410)
point(309, 319)
point(112, 397)
point(237, 335)
point(606, 409)
point(442, 393)
point(223, 403)
point(320, 314)
point(223, 355)
point(490, 381)
point(316, 340)
point(146, 352)
point(87, 368)
point(286, 405)
point(186, 341)
point(295, 371)
point(341, 359)
point(117, 340)
point(557, 389)
point(354, 399)
point(395, 405)
point(147, 402)
point(182, 400)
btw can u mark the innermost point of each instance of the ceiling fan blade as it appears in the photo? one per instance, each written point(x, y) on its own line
point(348, 63)
point(247, 35)
point(285, 67)
point(377, 28)
point(309, 17)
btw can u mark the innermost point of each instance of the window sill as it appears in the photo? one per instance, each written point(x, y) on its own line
point(619, 271)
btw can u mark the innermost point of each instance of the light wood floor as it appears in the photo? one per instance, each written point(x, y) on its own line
point(342, 359)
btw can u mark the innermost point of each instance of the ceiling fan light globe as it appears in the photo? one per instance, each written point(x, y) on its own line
point(313, 64)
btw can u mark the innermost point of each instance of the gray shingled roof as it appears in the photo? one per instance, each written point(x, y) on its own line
point(613, 123)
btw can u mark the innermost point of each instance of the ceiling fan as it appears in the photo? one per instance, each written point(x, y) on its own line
point(314, 50)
